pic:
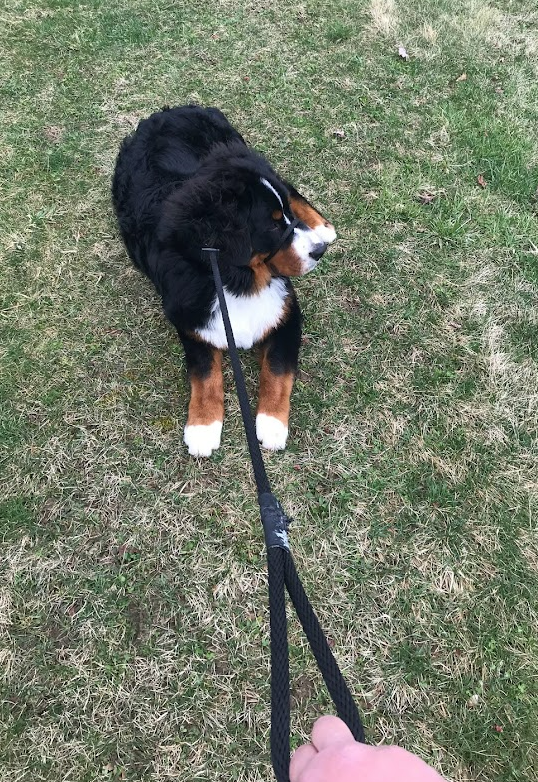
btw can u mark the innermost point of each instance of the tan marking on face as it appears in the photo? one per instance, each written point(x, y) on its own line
point(302, 209)
point(207, 395)
point(277, 214)
point(262, 273)
point(275, 392)
point(288, 263)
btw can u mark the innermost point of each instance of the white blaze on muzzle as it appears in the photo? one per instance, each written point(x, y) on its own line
point(325, 233)
point(307, 245)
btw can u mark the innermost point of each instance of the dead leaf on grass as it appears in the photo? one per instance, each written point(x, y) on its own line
point(462, 77)
point(339, 133)
point(426, 198)
point(402, 51)
point(481, 181)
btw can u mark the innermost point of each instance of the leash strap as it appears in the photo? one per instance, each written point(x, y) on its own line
point(282, 576)
point(289, 230)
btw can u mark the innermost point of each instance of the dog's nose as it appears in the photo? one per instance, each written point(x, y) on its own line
point(317, 250)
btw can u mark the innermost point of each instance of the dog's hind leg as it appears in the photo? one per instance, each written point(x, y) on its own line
point(206, 406)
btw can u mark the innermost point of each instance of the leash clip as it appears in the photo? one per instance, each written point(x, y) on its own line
point(275, 521)
point(208, 253)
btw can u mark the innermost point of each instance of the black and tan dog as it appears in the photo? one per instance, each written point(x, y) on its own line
point(184, 180)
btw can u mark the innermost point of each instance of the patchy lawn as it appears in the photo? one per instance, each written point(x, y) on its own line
point(133, 602)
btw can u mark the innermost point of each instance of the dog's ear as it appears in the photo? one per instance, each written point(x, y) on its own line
point(229, 205)
point(208, 215)
point(228, 199)
point(235, 243)
point(212, 209)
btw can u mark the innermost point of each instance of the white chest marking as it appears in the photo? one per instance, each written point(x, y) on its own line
point(251, 316)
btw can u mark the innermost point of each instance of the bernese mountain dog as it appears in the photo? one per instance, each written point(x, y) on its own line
point(184, 180)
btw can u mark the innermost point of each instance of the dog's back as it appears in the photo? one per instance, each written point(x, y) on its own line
point(165, 150)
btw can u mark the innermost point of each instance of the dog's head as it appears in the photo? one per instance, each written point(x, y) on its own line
point(237, 203)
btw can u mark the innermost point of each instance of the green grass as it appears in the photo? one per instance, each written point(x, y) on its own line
point(133, 604)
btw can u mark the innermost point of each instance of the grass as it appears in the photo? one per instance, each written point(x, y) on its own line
point(133, 602)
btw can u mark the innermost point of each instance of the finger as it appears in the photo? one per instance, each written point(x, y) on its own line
point(330, 730)
point(300, 760)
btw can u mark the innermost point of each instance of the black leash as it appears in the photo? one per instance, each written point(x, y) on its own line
point(282, 575)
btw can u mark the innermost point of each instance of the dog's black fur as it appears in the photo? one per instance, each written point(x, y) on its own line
point(186, 180)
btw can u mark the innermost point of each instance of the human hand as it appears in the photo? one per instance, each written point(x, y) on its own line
point(335, 756)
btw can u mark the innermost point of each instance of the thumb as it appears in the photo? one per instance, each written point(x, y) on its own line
point(329, 730)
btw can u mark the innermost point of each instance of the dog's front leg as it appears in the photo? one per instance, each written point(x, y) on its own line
point(206, 406)
point(279, 357)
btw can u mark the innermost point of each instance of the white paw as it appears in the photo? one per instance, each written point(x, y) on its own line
point(271, 432)
point(202, 439)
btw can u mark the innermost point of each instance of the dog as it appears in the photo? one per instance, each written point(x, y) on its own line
point(184, 180)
